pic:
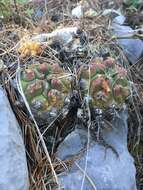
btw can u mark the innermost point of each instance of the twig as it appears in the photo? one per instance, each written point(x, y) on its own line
point(87, 176)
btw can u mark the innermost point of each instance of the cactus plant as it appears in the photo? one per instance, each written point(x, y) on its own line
point(105, 81)
point(46, 87)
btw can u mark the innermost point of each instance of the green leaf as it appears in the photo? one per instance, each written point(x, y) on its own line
point(133, 3)
point(22, 1)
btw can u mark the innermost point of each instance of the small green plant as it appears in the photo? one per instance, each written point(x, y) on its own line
point(133, 3)
point(22, 1)
point(5, 8)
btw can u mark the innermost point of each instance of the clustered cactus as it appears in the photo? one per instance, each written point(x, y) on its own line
point(104, 82)
point(46, 87)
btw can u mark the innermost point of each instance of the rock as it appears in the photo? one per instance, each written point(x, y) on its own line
point(38, 14)
point(2, 65)
point(13, 166)
point(90, 13)
point(113, 13)
point(68, 42)
point(132, 47)
point(64, 34)
point(106, 171)
point(77, 12)
point(119, 19)
point(78, 139)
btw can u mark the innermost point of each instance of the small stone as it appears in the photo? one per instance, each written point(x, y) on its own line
point(91, 13)
point(2, 65)
point(77, 12)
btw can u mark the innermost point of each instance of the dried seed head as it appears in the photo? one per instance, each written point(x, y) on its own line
point(28, 48)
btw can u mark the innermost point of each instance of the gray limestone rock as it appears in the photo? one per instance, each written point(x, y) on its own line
point(132, 47)
point(13, 166)
point(119, 19)
point(77, 12)
point(104, 168)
